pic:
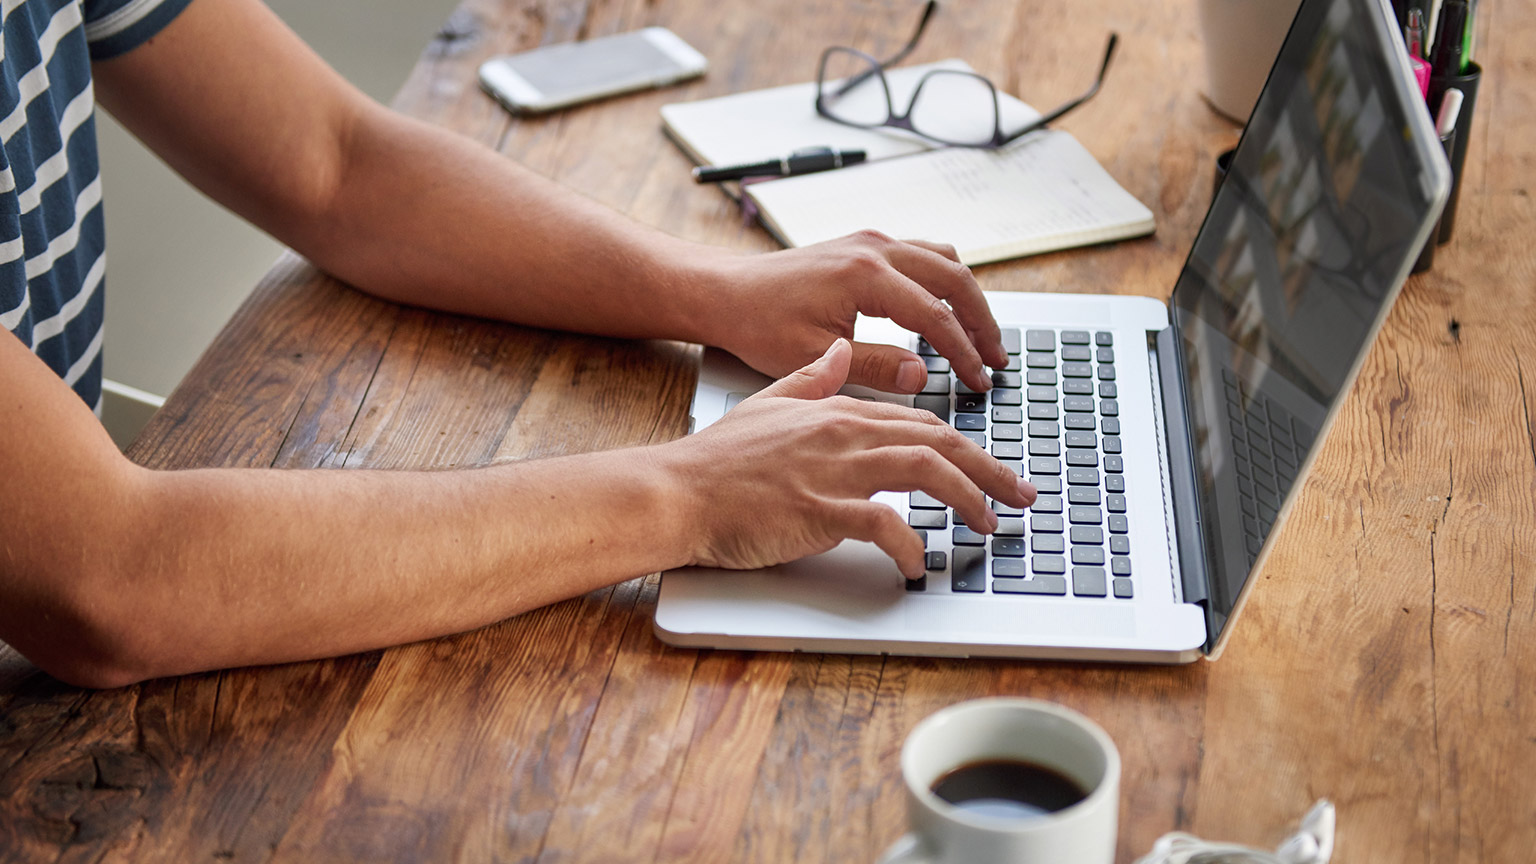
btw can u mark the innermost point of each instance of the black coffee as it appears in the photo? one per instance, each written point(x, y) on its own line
point(1010, 789)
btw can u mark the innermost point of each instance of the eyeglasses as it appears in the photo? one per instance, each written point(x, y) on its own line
point(951, 107)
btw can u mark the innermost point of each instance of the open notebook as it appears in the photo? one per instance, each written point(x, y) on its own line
point(1041, 193)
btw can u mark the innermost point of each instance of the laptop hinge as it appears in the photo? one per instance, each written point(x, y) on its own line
point(1181, 471)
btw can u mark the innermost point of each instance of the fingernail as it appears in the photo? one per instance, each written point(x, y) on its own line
point(909, 376)
point(992, 518)
point(1028, 490)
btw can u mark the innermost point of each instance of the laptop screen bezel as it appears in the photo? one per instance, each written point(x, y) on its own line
point(1435, 176)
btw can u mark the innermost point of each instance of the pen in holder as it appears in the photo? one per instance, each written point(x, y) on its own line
point(1467, 83)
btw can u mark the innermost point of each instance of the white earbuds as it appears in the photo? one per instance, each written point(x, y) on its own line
point(1313, 844)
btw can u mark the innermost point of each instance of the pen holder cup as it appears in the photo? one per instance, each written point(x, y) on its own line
point(1467, 83)
point(1426, 258)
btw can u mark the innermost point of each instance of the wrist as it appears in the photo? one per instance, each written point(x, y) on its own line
point(700, 281)
point(681, 511)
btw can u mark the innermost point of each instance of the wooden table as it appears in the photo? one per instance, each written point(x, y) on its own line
point(1384, 662)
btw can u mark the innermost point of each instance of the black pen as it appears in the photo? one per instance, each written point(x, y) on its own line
point(806, 161)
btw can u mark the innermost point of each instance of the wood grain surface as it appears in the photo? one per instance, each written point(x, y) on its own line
point(1384, 662)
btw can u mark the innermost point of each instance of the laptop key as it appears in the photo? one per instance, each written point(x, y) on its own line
point(934, 519)
point(1009, 527)
point(1083, 476)
point(1108, 407)
point(1118, 524)
point(1054, 586)
point(1007, 414)
point(1088, 555)
point(1123, 589)
point(979, 438)
point(1114, 503)
point(925, 349)
point(921, 582)
point(1088, 582)
point(1082, 458)
point(924, 501)
point(971, 422)
point(1085, 515)
point(1120, 566)
point(1011, 340)
point(1076, 353)
point(1007, 397)
point(1108, 390)
point(1011, 547)
point(1050, 564)
point(1044, 429)
point(1007, 433)
point(1041, 378)
point(1077, 403)
point(1002, 509)
point(936, 365)
point(1110, 426)
point(1087, 535)
point(963, 536)
point(1079, 438)
point(1007, 450)
point(1077, 370)
point(1114, 464)
point(971, 403)
point(1008, 380)
point(1106, 372)
point(1046, 485)
point(1077, 387)
point(1043, 465)
point(1044, 447)
point(1074, 337)
point(1040, 394)
point(1046, 504)
point(969, 573)
point(1105, 355)
point(938, 385)
point(1078, 421)
point(1040, 340)
point(1119, 545)
point(1008, 568)
point(936, 561)
point(1042, 524)
point(937, 405)
point(1083, 495)
point(1111, 443)
point(1040, 360)
point(1048, 543)
point(1114, 483)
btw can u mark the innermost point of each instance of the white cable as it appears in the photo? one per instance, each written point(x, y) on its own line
point(1313, 844)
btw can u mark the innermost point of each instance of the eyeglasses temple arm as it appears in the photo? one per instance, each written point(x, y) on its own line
point(1109, 53)
point(932, 7)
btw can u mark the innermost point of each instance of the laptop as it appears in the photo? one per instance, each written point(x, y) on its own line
point(1168, 442)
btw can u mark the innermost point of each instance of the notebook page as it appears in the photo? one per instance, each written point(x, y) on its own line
point(1043, 192)
point(770, 124)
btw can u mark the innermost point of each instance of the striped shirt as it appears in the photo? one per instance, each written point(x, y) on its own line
point(52, 238)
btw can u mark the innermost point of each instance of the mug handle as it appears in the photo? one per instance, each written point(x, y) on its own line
point(910, 849)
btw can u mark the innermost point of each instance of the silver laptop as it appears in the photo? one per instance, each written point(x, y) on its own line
point(1167, 442)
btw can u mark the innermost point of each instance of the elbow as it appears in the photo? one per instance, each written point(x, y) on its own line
point(88, 643)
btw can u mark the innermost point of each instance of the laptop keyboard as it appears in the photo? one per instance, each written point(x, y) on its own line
point(1053, 416)
point(1268, 444)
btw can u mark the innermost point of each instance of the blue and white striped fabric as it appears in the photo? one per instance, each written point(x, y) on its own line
point(52, 239)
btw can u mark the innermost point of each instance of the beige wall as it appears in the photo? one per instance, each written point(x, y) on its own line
point(179, 265)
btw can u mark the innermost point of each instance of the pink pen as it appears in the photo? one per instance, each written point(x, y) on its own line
point(1421, 68)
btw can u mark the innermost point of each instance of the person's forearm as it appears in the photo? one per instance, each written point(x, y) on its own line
point(220, 568)
point(428, 217)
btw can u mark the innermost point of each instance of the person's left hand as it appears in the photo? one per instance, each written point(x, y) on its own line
point(779, 311)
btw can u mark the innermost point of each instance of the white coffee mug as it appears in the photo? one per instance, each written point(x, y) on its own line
point(1242, 39)
point(1014, 730)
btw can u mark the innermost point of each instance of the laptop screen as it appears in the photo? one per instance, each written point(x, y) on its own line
point(1303, 249)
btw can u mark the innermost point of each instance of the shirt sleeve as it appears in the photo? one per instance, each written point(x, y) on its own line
point(114, 27)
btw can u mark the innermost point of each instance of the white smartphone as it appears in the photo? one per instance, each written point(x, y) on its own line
point(556, 76)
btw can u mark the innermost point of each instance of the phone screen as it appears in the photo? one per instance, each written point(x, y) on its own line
point(562, 71)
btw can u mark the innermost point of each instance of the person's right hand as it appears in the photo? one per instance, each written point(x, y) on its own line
point(790, 473)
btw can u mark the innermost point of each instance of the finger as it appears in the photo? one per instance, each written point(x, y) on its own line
point(876, 523)
point(884, 290)
point(937, 267)
point(917, 468)
point(822, 378)
point(888, 368)
point(882, 427)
